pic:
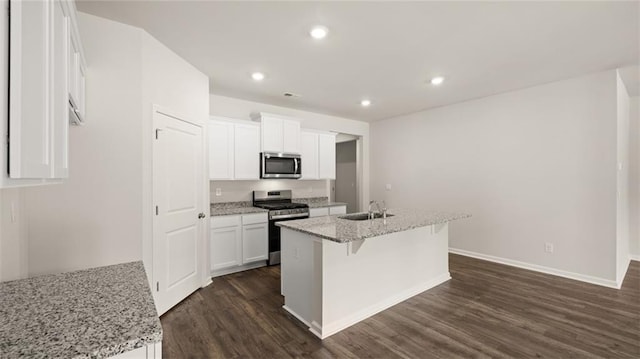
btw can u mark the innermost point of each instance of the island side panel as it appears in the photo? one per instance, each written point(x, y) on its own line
point(296, 268)
point(362, 278)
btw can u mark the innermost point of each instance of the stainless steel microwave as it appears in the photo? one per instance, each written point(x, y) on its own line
point(280, 165)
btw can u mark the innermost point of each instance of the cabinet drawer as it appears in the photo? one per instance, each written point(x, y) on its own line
point(254, 218)
point(318, 212)
point(225, 221)
point(338, 210)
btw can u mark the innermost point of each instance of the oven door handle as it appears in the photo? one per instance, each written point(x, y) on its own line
point(288, 216)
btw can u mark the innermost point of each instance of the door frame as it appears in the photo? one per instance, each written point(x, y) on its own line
point(203, 243)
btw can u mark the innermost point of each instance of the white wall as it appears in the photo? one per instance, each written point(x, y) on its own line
point(241, 191)
point(622, 206)
point(95, 217)
point(533, 166)
point(102, 214)
point(242, 109)
point(634, 177)
point(13, 236)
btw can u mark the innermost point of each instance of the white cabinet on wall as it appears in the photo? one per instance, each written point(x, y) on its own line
point(318, 152)
point(40, 37)
point(279, 134)
point(247, 151)
point(238, 242)
point(327, 156)
point(234, 150)
point(220, 150)
point(76, 72)
point(309, 154)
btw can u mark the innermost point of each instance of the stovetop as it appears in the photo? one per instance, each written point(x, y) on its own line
point(280, 206)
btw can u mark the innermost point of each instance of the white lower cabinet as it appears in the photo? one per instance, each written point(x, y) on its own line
point(238, 242)
point(337, 210)
point(318, 212)
point(151, 351)
point(327, 211)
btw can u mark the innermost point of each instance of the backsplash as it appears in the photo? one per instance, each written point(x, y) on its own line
point(236, 191)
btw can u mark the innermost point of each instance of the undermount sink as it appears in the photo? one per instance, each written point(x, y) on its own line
point(362, 216)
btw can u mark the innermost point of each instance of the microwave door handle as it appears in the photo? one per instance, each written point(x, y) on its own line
point(295, 161)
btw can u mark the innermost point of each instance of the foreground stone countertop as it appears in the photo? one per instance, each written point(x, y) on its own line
point(343, 230)
point(234, 208)
point(93, 313)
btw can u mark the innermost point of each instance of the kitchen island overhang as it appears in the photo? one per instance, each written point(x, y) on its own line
point(337, 272)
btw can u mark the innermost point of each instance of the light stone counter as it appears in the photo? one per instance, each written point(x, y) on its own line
point(341, 230)
point(93, 313)
point(232, 208)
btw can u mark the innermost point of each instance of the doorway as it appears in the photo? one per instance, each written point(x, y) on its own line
point(346, 185)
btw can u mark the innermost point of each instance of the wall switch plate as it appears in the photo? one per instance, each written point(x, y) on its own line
point(548, 247)
point(218, 191)
point(387, 186)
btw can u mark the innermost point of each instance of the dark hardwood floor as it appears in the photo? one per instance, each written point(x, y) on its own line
point(485, 310)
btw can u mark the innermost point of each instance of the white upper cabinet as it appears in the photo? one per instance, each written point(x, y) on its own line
point(221, 150)
point(234, 149)
point(77, 69)
point(291, 136)
point(247, 151)
point(309, 154)
point(318, 152)
point(279, 134)
point(272, 134)
point(327, 156)
point(39, 79)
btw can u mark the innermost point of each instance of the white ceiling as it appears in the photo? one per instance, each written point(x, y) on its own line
point(385, 51)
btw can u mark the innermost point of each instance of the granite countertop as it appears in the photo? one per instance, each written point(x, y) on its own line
point(93, 313)
point(343, 230)
point(231, 208)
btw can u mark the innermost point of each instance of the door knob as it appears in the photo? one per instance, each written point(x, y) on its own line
point(201, 215)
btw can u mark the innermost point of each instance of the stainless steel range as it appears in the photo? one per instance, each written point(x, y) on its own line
point(280, 209)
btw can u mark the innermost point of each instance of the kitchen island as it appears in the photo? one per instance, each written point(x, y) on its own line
point(93, 313)
point(337, 271)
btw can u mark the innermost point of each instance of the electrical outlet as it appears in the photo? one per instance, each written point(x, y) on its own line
point(218, 192)
point(13, 212)
point(388, 186)
point(548, 247)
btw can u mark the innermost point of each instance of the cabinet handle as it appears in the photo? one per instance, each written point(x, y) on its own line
point(201, 215)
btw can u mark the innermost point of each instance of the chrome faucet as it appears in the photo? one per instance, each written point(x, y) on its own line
point(382, 211)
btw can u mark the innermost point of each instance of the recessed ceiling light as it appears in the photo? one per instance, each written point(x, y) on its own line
point(319, 32)
point(365, 103)
point(437, 80)
point(257, 76)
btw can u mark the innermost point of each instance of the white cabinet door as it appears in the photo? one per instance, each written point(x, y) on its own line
point(309, 155)
point(255, 242)
point(318, 212)
point(291, 136)
point(337, 210)
point(60, 91)
point(220, 150)
point(225, 247)
point(327, 156)
point(272, 134)
point(29, 112)
point(247, 151)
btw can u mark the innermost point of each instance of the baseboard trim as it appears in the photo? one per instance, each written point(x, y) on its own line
point(221, 272)
point(624, 274)
point(537, 268)
point(331, 328)
point(634, 257)
point(296, 315)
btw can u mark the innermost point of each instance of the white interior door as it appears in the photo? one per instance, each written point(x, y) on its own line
point(178, 224)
